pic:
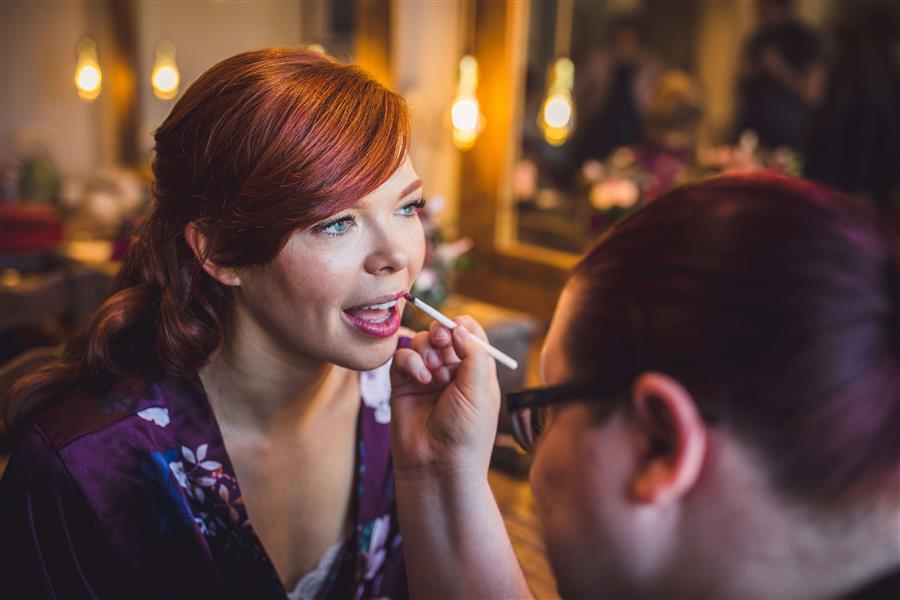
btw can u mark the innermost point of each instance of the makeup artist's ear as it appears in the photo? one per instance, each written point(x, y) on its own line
point(671, 440)
point(197, 242)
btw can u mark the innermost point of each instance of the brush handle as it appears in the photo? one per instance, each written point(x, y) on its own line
point(501, 357)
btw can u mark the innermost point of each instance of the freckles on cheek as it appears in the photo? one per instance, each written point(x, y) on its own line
point(318, 273)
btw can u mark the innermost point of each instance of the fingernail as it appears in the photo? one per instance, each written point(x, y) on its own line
point(442, 334)
point(463, 333)
point(424, 375)
point(432, 359)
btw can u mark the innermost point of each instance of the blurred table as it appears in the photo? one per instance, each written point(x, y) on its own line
point(69, 293)
point(516, 503)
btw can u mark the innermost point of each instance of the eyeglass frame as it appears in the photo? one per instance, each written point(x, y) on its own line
point(551, 395)
point(562, 394)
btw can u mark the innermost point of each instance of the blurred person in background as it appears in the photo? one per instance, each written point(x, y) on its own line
point(855, 143)
point(670, 125)
point(781, 78)
point(222, 427)
point(721, 412)
point(613, 86)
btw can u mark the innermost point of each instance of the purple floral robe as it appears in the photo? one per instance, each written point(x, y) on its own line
point(133, 494)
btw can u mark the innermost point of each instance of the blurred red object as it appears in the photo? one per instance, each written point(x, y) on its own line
point(29, 228)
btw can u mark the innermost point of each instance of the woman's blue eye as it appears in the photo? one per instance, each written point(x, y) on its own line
point(411, 209)
point(336, 227)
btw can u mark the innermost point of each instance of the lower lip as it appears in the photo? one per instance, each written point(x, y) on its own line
point(380, 330)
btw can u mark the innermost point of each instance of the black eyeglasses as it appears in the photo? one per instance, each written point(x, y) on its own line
point(529, 410)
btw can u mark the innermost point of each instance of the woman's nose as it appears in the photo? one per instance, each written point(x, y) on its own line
point(388, 255)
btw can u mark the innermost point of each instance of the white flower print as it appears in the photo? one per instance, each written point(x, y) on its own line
point(178, 471)
point(198, 474)
point(377, 552)
point(155, 414)
point(375, 389)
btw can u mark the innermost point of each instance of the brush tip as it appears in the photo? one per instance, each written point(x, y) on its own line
point(408, 296)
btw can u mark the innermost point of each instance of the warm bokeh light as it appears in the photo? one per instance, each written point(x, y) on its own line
point(557, 110)
point(165, 81)
point(165, 78)
point(88, 78)
point(465, 114)
point(557, 116)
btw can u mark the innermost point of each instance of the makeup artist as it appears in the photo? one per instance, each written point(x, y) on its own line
point(222, 426)
point(722, 411)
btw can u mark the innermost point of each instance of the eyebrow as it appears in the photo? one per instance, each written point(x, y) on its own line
point(411, 188)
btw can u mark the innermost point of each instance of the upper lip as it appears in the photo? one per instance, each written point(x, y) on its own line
point(380, 300)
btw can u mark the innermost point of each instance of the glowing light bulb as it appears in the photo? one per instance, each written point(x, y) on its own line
point(88, 77)
point(165, 77)
point(557, 110)
point(465, 114)
point(557, 116)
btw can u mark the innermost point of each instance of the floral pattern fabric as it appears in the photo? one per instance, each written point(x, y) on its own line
point(133, 494)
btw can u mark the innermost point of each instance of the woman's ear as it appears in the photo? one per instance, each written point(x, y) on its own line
point(672, 439)
point(198, 244)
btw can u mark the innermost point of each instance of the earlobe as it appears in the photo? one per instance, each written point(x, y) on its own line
point(197, 243)
point(672, 439)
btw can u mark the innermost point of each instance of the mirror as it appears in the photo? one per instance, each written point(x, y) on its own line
point(645, 97)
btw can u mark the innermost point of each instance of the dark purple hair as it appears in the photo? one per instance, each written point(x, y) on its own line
point(775, 302)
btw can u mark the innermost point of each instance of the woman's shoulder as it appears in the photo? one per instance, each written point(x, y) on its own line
point(111, 451)
point(80, 414)
point(102, 438)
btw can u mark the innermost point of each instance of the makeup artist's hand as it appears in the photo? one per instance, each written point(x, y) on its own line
point(444, 406)
point(445, 401)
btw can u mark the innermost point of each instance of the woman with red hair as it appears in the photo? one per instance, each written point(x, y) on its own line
point(204, 436)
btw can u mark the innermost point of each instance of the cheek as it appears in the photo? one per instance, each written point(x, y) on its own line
point(415, 244)
point(300, 287)
point(312, 281)
point(557, 482)
point(562, 497)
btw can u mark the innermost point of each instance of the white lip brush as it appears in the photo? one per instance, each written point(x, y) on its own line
point(500, 357)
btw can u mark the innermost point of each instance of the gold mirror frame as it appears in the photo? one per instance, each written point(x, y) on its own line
point(505, 271)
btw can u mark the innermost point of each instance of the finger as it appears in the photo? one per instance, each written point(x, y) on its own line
point(480, 362)
point(472, 325)
point(476, 377)
point(442, 376)
point(409, 365)
point(440, 335)
point(442, 339)
point(431, 355)
point(462, 342)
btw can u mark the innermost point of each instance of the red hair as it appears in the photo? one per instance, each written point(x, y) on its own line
point(264, 143)
point(775, 302)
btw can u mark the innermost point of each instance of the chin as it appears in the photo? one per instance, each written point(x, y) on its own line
point(368, 357)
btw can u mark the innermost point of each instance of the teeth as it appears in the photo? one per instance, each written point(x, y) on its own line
point(390, 304)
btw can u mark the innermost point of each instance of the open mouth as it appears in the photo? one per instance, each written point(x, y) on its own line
point(374, 313)
point(379, 318)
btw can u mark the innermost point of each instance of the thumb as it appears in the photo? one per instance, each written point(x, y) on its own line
point(463, 343)
point(477, 373)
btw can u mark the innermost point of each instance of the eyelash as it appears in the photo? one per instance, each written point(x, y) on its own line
point(416, 205)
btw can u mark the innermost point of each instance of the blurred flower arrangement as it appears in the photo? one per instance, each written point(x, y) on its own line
point(634, 176)
point(443, 259)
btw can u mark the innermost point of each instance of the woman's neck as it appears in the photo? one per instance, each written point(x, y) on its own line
point(255, 386)
point(753, 543)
